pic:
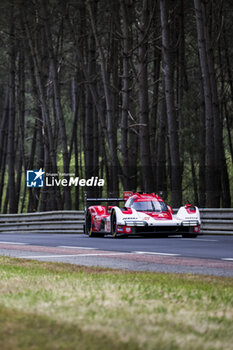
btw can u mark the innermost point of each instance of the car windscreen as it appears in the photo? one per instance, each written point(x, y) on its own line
point(149, 206)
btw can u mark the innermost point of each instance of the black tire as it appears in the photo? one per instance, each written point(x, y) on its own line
point(113, 224)
point(88, 224)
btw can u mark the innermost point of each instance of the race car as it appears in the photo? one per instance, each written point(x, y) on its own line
point(141, 214)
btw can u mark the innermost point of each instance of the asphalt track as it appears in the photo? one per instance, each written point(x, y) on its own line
point(211, 255)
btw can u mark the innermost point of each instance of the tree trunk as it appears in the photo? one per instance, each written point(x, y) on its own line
point(3, 125)
point(3, 162)
point(125, 94)
point(112, 136)
point(11, 121)
point(3, 142)
point(168, 71)
point(57, 97)
point(209, 123)
point(21, 113)
point(154, 113)
point(230, 82)
point(161, 172)
point(202, 150)
point(217, 126)
point(89, 125)
point(144, 133)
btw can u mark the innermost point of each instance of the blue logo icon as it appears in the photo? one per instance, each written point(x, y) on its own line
point(35, 178)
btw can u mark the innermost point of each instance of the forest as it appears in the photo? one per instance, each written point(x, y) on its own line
point(138, 93)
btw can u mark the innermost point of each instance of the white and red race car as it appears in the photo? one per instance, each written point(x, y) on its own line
point(142, 214)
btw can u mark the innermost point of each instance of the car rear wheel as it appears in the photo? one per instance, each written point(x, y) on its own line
point(88, 224)
point(89, 227)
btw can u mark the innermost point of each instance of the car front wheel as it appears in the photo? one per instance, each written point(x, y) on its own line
point(113, 224)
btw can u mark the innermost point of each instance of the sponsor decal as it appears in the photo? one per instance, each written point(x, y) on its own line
point(130, 218)
point(127, 194)
point(38, 178)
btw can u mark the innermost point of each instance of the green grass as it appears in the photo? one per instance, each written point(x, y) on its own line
point(60, 306)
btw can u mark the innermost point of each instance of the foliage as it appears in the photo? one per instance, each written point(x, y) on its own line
point(101, 88)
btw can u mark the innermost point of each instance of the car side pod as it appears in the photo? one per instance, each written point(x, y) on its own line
point(189, 217)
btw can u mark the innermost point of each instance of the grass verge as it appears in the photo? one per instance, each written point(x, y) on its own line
point(47, 305)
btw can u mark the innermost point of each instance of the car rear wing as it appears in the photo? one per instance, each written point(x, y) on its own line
point(126, 195)
point(99, 200)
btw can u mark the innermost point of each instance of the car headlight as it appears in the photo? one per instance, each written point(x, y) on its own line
point(190, 223)
point(135, 223)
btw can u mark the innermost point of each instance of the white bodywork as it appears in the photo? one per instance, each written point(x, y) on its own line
point(137, 218)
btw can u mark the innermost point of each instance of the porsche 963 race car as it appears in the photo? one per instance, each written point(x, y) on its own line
point(142, 214)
